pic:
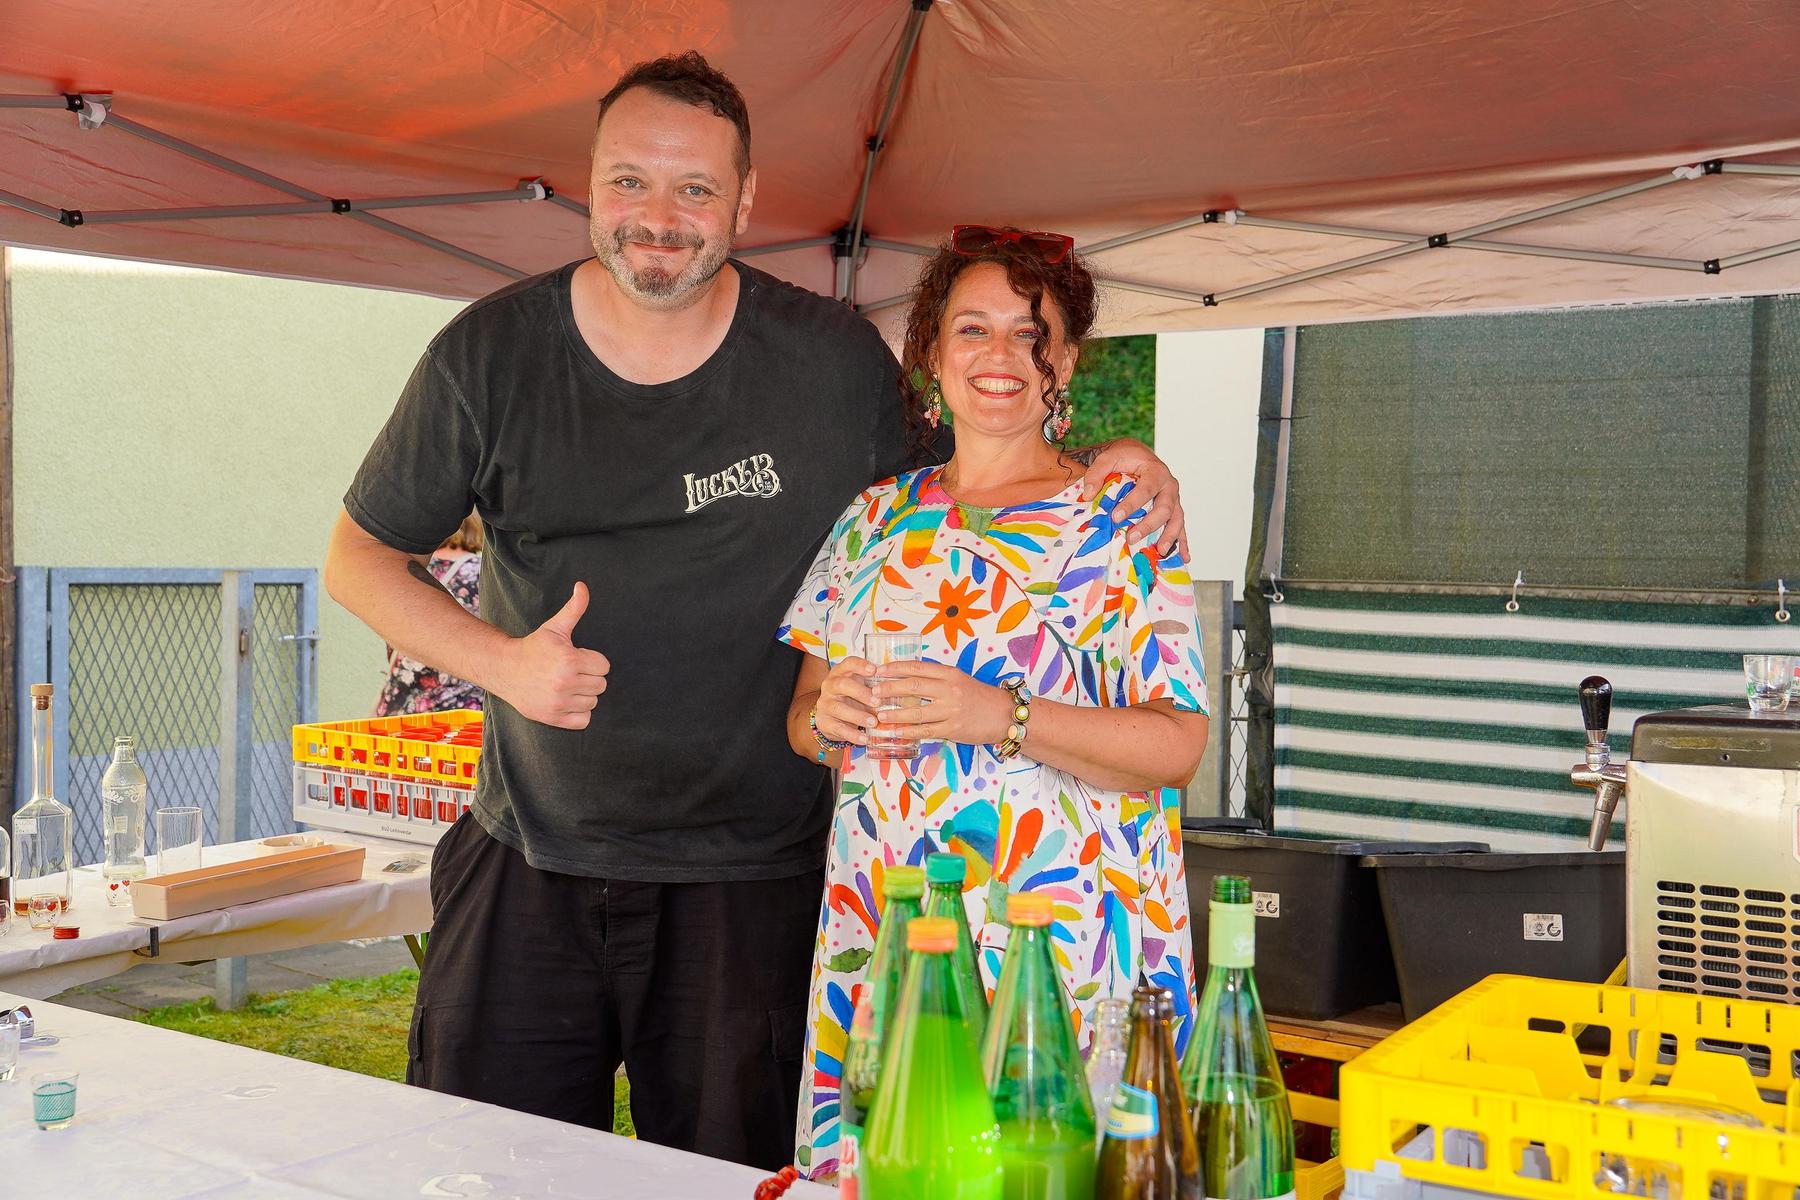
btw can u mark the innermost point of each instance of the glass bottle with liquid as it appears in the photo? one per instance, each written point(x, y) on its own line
point(944, 875)
point(1147, 1150)
point(43, 832)
point(123, 793)
point(1231, 1075)
point(876, 1002)
point(1033, 1067)
point(931, 1131)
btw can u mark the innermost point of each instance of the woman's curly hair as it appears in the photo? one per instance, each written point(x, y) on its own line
point(1067, 284)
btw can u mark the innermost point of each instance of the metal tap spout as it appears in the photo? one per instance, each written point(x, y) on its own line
point(1598, 771)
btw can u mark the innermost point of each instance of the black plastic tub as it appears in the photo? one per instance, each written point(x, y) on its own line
point(1321, 943)
point(1455, 919)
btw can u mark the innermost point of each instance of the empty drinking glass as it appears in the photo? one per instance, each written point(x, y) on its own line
point(9, 1044)
point(1769, 676)
point(179, 832)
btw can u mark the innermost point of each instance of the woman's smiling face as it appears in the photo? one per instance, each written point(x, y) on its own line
point(991, 383)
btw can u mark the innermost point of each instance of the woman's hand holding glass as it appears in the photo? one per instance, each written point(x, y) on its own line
point(846, 708)
point(956, 706)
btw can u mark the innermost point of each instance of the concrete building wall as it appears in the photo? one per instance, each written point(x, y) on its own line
point(179, 418)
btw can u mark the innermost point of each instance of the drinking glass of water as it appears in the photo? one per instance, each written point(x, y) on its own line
point(53, 1098)
point(1769, 676)
point(882, 649)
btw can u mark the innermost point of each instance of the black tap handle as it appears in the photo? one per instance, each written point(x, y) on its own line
point(1596, 703)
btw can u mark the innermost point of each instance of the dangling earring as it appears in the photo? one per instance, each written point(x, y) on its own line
point(1062, 415)
point(934, 403)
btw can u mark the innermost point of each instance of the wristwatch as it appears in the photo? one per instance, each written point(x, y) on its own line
point(1021, 713)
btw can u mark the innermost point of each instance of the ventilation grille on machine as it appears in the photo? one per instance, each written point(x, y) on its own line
point(1725, 941)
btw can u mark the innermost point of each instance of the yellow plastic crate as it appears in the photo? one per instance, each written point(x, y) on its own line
point(420, 747)
point(1316, 1181)
point(1499, 1069)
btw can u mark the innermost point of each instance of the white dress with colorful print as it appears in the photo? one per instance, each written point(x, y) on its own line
point(1048, 591)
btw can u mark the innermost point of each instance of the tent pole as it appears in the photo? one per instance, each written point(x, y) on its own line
point(293, 189)
point(1205, 218)
point(899, 247)
point(14, 200)
point(909, 41)
point(33, 102)
point(574, 206)
point(1599, 256)
point(1388, 235)
point(1732, 168)
point(521, 194)
point(9, 603)
point(779, 247)
point(1461, 235)
point(1750, 256)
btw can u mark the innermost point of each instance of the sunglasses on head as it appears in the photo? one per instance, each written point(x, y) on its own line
point(971, 240)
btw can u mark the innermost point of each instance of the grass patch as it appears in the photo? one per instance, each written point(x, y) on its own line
point(353, 1024)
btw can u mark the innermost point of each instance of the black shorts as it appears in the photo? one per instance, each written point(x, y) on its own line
point(537, 986)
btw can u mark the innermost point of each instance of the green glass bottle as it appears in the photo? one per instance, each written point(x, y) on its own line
point(944, 874)
point(1033, 1067)
point(1231, 1076)
point(901, 889)
point(931, 1131)
point(1147, 1150)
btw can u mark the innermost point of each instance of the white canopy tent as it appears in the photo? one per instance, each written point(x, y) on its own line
point(1223, 165)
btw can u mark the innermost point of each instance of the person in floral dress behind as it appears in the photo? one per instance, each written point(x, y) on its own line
point(413, 687)
point(1021, 594)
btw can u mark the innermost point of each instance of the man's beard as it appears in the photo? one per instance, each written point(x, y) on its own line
point(655, 286)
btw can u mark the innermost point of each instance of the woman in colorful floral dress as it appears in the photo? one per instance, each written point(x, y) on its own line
point(1023, 595)
point(413, 687)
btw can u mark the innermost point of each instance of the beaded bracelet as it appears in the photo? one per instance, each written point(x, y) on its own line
point(1021, 713)
point(826, 745)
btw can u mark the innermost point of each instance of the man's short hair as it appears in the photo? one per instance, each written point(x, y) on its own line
point(689, 78)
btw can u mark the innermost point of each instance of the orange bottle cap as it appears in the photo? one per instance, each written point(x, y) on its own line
point(935, 935)
point(1028, 908)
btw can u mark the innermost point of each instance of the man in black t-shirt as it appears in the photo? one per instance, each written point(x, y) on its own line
point(656, 440)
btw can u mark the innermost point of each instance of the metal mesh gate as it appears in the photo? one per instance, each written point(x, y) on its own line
point(160, 655)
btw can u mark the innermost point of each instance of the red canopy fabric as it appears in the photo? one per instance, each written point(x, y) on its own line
point(1098, 118)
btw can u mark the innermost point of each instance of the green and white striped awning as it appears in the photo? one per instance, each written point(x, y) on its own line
point(1432, 717)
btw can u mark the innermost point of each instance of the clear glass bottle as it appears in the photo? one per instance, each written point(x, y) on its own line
point(6, 908)
point(1106, 1053)
point(44, 830)
point(1231, 1076)
point(124, 790)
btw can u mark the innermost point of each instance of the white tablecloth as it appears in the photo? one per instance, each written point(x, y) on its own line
point(162, 1114)
point(380, 904)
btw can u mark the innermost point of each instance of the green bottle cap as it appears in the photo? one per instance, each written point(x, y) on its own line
point(1231, 889)
point(903, 883)
point(945, 868)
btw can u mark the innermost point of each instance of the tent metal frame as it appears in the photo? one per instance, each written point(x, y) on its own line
point(94, 110)
point(1469, 238)
point(851, 245)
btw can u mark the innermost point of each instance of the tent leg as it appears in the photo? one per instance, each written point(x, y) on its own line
point(909, 41)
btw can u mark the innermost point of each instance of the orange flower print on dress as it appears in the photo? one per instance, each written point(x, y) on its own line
point(955, 609)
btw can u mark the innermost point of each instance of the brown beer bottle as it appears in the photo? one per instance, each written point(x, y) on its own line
point(1147, 1150)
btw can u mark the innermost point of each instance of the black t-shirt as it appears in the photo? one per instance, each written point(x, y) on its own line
point(692, 510)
